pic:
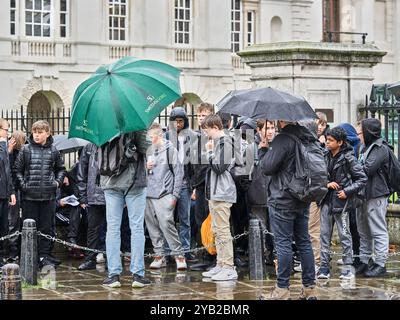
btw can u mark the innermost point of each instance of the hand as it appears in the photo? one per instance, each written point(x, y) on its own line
point(66, 181)
point(210, 145)
point(11, 144)
point(83, 205)
point(62, 203)
point(193, 197)
point(150, 165)
point(342, 195)
point(322, 139)
point(13, 200)
point(333, 185)
point(173, 202)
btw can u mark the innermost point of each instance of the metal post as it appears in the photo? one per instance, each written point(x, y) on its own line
point(255, 250)
point(29, 254)
point(10, 285)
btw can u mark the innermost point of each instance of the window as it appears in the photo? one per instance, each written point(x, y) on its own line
point(13, 13)
point(117, 19)
point(331, 19)
point(63, 18)
point(236, 18)
point(250, 28)
point(182, 21)
point(37, 18)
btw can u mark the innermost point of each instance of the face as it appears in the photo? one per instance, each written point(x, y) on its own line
point(332, 144)
point(321, 128)
point(211, 132)
point(360, 134)
point(270, 132)
point(202, 115)
point(179, 124)
point(155, 137)
point(4, 130)
point(40, 136)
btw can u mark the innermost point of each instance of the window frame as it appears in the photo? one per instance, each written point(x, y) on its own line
point(33, 10)
point(67, 24)
point(176, 21)
point(14, 23)
point(233, 24)
point(111, 29)
point(331, 19)
point(250, 32)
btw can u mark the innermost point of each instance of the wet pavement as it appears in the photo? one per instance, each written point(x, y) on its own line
point(68, 283)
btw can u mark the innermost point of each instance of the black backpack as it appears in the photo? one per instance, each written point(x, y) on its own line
point(115, 156)
point(309, 182)
point(257, 193)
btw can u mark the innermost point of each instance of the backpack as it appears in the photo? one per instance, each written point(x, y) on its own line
point(116, 155)
point(257, 193)
point(392, 172)
point(309, 182)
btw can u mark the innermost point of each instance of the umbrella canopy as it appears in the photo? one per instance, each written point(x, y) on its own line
point(395, 89)
point(65, 144)
point(122, 97)
point(266, 103)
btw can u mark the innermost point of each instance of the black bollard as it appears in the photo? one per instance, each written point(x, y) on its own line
point(29, 254)
point(10, 285)
point(255, 251)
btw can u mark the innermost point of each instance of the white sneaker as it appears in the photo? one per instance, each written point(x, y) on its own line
point(298, 268)
point(212, 272)
point(180, 263)
point(100, 258)
point(225, 274)
point(158, 262)
point(340, 262)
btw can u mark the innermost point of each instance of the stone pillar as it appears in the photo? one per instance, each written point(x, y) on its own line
point(10, 285)
point(330, 76)
point(301, 19)
point(29, 253)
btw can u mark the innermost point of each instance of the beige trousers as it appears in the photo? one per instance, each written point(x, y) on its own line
point(314, 228)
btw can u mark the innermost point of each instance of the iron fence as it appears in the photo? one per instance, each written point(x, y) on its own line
point(383, 105)
point(59, 121)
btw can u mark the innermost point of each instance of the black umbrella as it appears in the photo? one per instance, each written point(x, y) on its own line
point(63, 144)
point(395, 89)
point(266, 103)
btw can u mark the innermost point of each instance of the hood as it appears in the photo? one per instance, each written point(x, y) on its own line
point(351, 132)
point(345, 148)
point(179, 112)
point(371, 128)
point(48, 143)
point(167, 144)
point(301, 132)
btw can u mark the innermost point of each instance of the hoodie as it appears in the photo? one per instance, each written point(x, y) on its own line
point(374, 159)
point(167, 174)
point(352, 137)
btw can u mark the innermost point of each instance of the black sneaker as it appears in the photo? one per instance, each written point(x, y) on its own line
point(190, 257)
point(375, 271)
point(112, 282)
point(45, 261)
point(88, 265)
point(139, 281)
point(361, 268)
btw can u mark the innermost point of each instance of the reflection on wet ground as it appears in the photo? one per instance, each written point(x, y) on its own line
point(68, 283)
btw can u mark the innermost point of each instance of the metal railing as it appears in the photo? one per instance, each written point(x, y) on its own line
point(331, 33)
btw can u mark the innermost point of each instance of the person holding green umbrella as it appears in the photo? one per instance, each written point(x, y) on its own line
point(113, 109)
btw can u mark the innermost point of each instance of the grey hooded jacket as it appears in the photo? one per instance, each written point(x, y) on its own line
point(88, 177)
point(220, 185)
point(128, 179)
point(162, 180)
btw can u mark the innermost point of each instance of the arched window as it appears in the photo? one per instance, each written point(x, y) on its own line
point(276, 29)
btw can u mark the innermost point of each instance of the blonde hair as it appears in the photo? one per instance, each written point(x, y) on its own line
point(157, 128)
point(205, 106)
point(322, 118)
point(41, 125)
point(2, 122)
point(20, 139)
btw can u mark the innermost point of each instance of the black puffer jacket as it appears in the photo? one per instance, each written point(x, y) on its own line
point(280, 160)
point(348, 174)
point(376, 162)
point(38, 170)
point(6, 186)
point(88, 177)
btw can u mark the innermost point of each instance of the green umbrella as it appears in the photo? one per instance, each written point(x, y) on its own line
point(125, 96)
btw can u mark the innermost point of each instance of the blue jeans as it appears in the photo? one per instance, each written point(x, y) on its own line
point(286, 225)
point(136, 202)
point(183, 211)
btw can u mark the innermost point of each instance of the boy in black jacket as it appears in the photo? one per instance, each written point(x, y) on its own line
point(7, 194)
point(40, 171)
point(346, 178)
